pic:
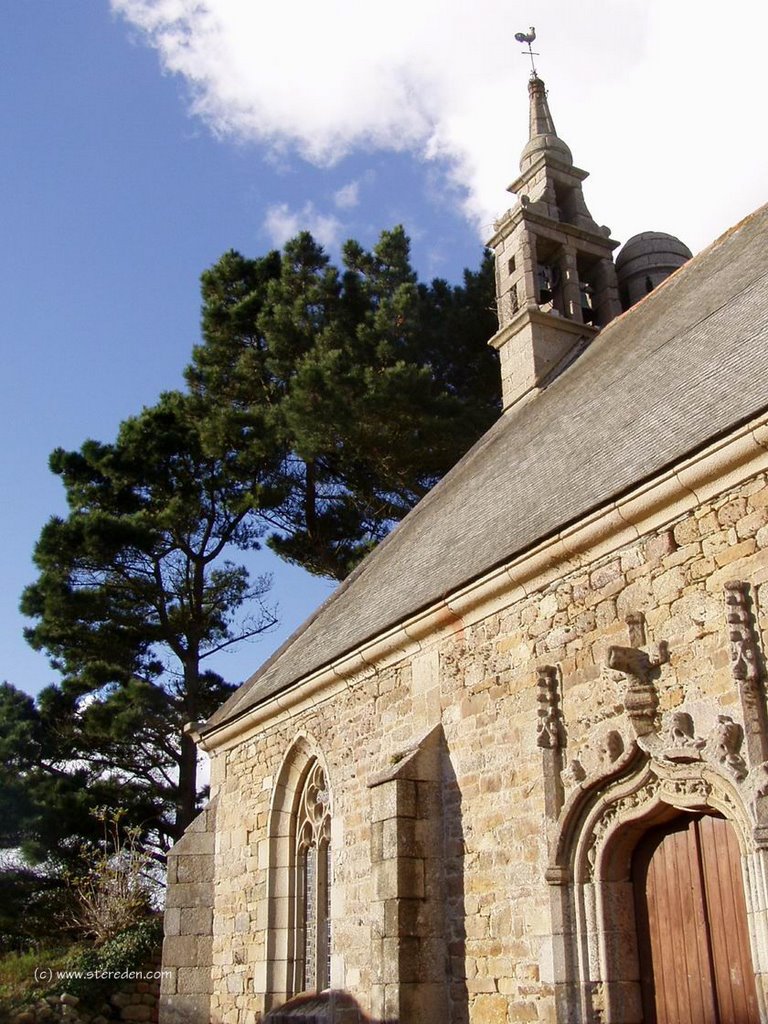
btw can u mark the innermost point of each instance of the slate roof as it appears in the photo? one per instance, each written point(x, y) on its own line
point(688, 363)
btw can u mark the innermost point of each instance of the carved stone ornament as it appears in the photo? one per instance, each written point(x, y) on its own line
point(639, 669)
point(746, 669)
point(674, 786)
point(574, 773)
point(761, 780)
point(681, 742)
point(619, 808)
point(611, 748)
point(725, 743)
point(550, 737)
point(550, 733)
point(744, 650)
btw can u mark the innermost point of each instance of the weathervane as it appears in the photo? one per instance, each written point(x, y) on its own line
point(528, 37)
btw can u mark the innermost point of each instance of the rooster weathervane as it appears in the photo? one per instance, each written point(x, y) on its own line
point(528, 37)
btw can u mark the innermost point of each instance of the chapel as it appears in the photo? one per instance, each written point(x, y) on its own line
point(516, 767)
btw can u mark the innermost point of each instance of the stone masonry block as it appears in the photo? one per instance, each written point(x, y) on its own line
point(172, 921)
point(189, 894)
point(194, 844)
point(430, 800)
point(411, 877)
point(661, 545)
point(384, 876)
point(432, 960)
point(401, 961)
point(235, 984)
point(403, 917)
point(196, 921)
point(399, 838)
point(205, 821)
point(194, 981)
point(168, 981)
point(392, 1002)
point(426, 671)
point(393, 799)
point(194, 869)
point(377, 1001)
point(377, 841)
point(185, 1009)
point(425, 1003)
point(377, 960)
point(180, 951)
point(279, 912)
point(400, 878)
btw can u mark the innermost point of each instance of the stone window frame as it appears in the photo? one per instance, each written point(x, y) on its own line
point(594, 956)
point(312, 916)
point(293, 823)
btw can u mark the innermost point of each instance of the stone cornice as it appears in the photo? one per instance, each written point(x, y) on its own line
point(548, 160)
point(510, 220)
point(532, 314)
point(668, 496)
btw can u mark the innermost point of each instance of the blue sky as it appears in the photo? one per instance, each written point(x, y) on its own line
point(146, 137)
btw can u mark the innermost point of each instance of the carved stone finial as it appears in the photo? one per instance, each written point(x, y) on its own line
point(640, 698)
point(634, 662)
point(746, 669)
point(636, 628)
point(640, 669)
point(549, 730)
point(744, 654)
point(550, 736)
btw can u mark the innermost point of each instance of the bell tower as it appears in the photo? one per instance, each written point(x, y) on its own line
point(555, 278)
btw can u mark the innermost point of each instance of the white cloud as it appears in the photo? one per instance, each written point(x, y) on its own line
point(281, 223)
point(660, 100)
point(347, 196)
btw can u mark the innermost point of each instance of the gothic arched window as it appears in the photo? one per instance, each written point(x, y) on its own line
point(312, 953)
point(298, 878)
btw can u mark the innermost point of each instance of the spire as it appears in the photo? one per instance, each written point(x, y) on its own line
point(540, 120)
point(542, 136)
point(556, 282)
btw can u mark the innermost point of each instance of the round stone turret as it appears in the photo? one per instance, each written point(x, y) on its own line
point(645, 261)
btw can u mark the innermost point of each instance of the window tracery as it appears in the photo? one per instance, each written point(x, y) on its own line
point(312, 888)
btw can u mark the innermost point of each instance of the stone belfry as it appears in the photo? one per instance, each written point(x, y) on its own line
point(555, 278)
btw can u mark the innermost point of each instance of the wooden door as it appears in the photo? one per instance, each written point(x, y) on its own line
point(693, 943)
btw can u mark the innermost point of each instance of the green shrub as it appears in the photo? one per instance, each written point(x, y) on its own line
point(128, 951)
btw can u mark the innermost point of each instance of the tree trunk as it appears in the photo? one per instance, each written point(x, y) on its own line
point(186, 800)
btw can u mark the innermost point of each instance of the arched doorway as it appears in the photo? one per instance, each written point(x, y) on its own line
point(693, 938)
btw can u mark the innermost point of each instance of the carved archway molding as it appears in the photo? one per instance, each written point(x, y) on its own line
point(595, 960)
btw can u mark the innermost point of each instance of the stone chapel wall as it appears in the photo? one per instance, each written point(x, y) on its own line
point(185, 991)
point(482, 684)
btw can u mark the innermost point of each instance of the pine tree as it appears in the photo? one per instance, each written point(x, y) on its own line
point(135, 591)
point(369, 385)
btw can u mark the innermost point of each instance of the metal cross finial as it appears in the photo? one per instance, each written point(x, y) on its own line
point(528, 37)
